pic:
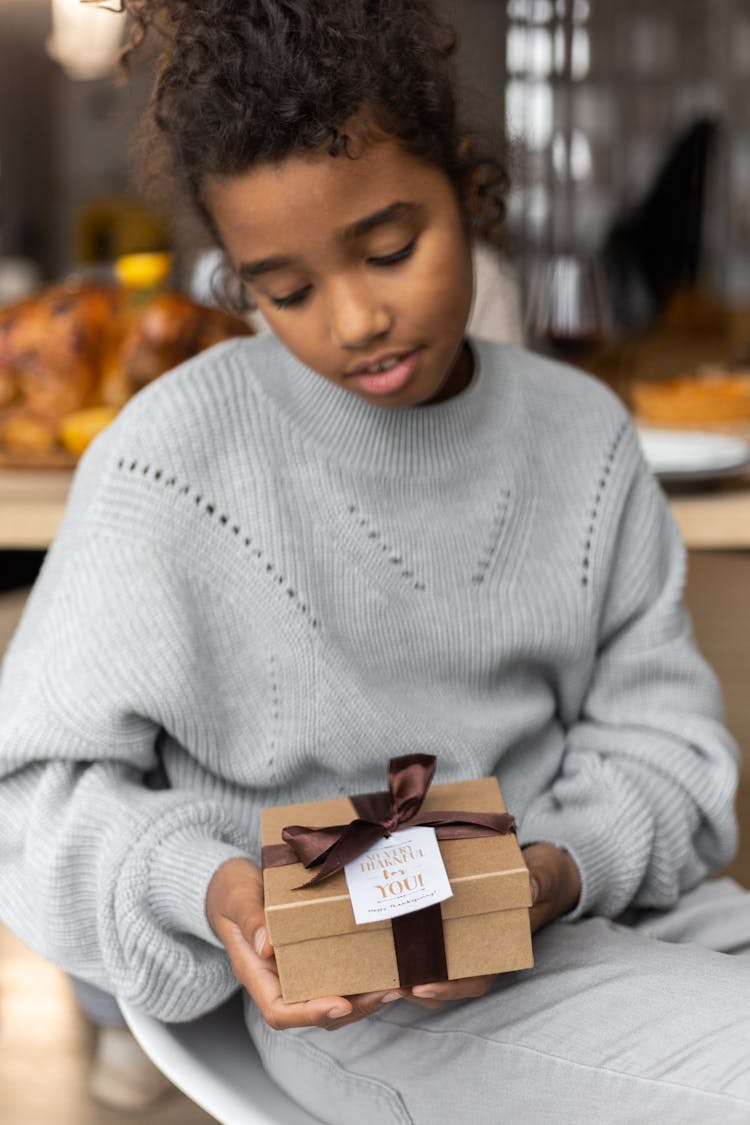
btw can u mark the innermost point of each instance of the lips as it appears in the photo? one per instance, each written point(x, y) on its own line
point(385, 382)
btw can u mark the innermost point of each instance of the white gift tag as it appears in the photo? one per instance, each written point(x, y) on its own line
point(397, 875)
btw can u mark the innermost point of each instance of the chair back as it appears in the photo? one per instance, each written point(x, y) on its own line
point(214, 1062)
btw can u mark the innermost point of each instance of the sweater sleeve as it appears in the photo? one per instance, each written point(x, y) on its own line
point(100, 873)
point(644, 797)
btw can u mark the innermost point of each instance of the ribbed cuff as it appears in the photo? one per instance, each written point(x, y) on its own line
point(181, 871)
point(602, 891)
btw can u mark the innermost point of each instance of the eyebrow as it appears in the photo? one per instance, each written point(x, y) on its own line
point(393, 213)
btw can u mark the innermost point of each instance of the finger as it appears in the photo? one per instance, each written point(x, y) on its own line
point(541, 912)
point(369, 1002)
point(242, 905)
point(425, 1003)
point(250, 920)
point(278, 1014)
point(324, 1011)
point(365, 1004)
point(252, 932)
point(540, 882)
point(540, 915)
point(541, 877)
point(443, 991)
point(262, 942)
point(261, 979)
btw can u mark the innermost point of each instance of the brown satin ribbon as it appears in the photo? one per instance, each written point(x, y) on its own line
point(418, 937)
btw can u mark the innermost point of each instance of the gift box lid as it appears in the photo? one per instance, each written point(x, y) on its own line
point(486, 874)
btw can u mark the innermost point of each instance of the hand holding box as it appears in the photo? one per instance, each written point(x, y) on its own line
point(483, 928)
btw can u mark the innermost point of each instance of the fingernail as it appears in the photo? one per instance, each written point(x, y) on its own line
point(337, 1013)
point(534, 889)
point(259, 941)
point(424, 993)
point(390, 997)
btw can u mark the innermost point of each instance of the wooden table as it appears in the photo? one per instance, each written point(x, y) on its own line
point(32, 504)
point(716, 519)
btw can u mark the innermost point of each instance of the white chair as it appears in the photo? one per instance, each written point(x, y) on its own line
point(214, 1062)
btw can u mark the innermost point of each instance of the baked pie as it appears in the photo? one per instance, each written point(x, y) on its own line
point(710, 396)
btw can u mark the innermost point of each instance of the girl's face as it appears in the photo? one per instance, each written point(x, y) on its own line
point(361, 267)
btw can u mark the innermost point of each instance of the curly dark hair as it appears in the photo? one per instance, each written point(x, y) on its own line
point(242, 82)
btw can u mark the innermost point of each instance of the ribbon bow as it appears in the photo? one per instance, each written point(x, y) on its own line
point(380, 814)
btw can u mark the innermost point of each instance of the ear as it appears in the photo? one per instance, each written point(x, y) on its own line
point(466, 151)
point(465, 147)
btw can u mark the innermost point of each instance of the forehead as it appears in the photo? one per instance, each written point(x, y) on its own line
point(306, 199)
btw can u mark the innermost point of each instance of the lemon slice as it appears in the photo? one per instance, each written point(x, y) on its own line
point(76, 431)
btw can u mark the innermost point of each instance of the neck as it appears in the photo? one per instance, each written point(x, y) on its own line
point(460, 375)
point(427, 440)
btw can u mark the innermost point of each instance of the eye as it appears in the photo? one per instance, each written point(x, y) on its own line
point(395, 258)
point(293, 299)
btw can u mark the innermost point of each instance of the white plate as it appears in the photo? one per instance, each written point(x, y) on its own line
point(693, 455)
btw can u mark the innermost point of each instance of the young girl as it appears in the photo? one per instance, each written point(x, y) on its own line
point(367, 535)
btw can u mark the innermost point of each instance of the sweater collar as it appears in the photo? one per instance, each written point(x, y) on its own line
point(418, 440)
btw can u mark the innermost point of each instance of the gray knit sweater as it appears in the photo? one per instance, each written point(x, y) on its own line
point(270, 587)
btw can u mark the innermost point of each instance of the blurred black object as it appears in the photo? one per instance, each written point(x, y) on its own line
point(19, 569)
point(655, 249)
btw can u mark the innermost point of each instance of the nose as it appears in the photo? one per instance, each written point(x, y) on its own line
point(357, 315)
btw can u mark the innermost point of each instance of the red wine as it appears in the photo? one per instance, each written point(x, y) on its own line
point(574, 348)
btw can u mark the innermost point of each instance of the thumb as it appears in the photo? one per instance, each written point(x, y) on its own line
point(235, 905)
point(251, 919)
point(261, 944)
point(245, 931)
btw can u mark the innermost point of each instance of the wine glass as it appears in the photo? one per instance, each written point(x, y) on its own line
point(568, 312)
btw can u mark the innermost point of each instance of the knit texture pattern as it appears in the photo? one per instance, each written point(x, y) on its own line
point(265, 587)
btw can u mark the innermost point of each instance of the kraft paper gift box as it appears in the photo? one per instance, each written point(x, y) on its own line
point(321, 951)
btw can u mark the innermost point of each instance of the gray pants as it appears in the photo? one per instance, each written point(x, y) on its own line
point(644, 1020)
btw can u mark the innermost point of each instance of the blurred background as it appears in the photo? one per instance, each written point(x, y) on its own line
point(595, 100)
point(626, 129)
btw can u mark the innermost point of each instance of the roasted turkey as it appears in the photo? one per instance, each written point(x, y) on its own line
point(78, 346)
